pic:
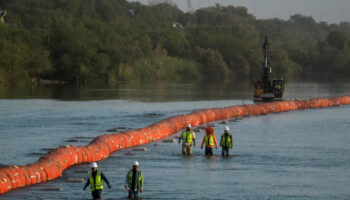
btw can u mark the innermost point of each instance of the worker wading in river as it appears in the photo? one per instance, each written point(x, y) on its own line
point(226, 142)
point(95, 181)
point(134, 181)
point(209, 139)
point(188, 140)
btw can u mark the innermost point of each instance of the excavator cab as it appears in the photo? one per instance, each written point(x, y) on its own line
point(265, 87)
point(278, 87)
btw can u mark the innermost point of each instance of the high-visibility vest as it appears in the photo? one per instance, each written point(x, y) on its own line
point(209, 141)
point(96, 184)
point(226, 143)
point(139, 180)
point(187, 137)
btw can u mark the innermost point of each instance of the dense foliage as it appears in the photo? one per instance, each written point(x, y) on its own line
point(108, 41)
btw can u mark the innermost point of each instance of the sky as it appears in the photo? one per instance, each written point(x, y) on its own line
point(330, 11)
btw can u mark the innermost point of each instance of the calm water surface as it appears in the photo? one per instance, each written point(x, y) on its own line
point(292, 155)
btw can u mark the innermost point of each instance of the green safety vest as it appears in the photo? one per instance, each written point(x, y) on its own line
point(226, 143)
point(139, 179)
point(187, 137)
point(210, 141)
point(96, 184)
point(277, 87)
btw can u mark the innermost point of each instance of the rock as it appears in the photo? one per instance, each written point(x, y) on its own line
point(75, 180)
point(232, 120)
point(129, 153)
point(112, 130)
point(152, 115)
point(139, 149)
point(223, 122)
point(72, 140)
point(173, 140)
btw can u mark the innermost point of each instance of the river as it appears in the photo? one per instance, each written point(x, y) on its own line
point(292, 155)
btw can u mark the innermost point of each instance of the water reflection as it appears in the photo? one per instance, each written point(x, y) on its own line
point(161, 91)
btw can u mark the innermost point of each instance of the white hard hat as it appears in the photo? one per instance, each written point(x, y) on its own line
point(93, 165)
point(136, 163)
point(188, 125)
point(227, 128)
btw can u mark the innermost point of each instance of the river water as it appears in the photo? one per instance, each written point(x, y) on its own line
point(292, 155)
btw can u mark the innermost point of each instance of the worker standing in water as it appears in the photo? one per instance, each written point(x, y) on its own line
point(188, 140)
point(209, 139)
point(134, 181)
point(226, 142)
point(95, 181)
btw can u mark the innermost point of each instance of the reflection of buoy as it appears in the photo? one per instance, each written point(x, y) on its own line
point(51, 165)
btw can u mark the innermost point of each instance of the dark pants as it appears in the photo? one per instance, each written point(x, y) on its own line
point(208, 151)
point(96, 194)
point(225, 150)
point(133, 194)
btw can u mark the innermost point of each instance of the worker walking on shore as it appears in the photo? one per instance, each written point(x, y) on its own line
point(226, 142)
point(95, 181)
point(134, 181)
point(209, 139)
point(188, 140)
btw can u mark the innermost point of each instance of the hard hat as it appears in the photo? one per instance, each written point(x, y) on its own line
point(136, 163)
point(93, 165)
point(227, 128)
point(188, 125)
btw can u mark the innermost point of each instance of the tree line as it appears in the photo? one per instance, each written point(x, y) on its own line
point(110, 41)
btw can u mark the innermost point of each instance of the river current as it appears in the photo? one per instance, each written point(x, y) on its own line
point(301, 154)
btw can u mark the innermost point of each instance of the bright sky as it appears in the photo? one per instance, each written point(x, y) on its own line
point(331, 11)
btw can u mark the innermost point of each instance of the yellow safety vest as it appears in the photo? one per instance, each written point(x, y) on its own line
point(96, 184)
point(138, 179)
point(226, 143)
point(210, 141)
point(187, 137)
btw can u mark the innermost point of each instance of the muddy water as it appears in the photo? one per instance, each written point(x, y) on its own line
point(293, 155)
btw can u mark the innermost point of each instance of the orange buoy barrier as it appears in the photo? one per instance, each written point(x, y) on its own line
point(51, 165)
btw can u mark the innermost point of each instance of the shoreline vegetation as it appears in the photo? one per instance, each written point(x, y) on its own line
point(45, 42)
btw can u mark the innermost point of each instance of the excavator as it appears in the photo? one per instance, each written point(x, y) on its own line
point(265, 87)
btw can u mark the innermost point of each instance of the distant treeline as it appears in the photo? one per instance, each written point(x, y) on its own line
point(108, 41)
